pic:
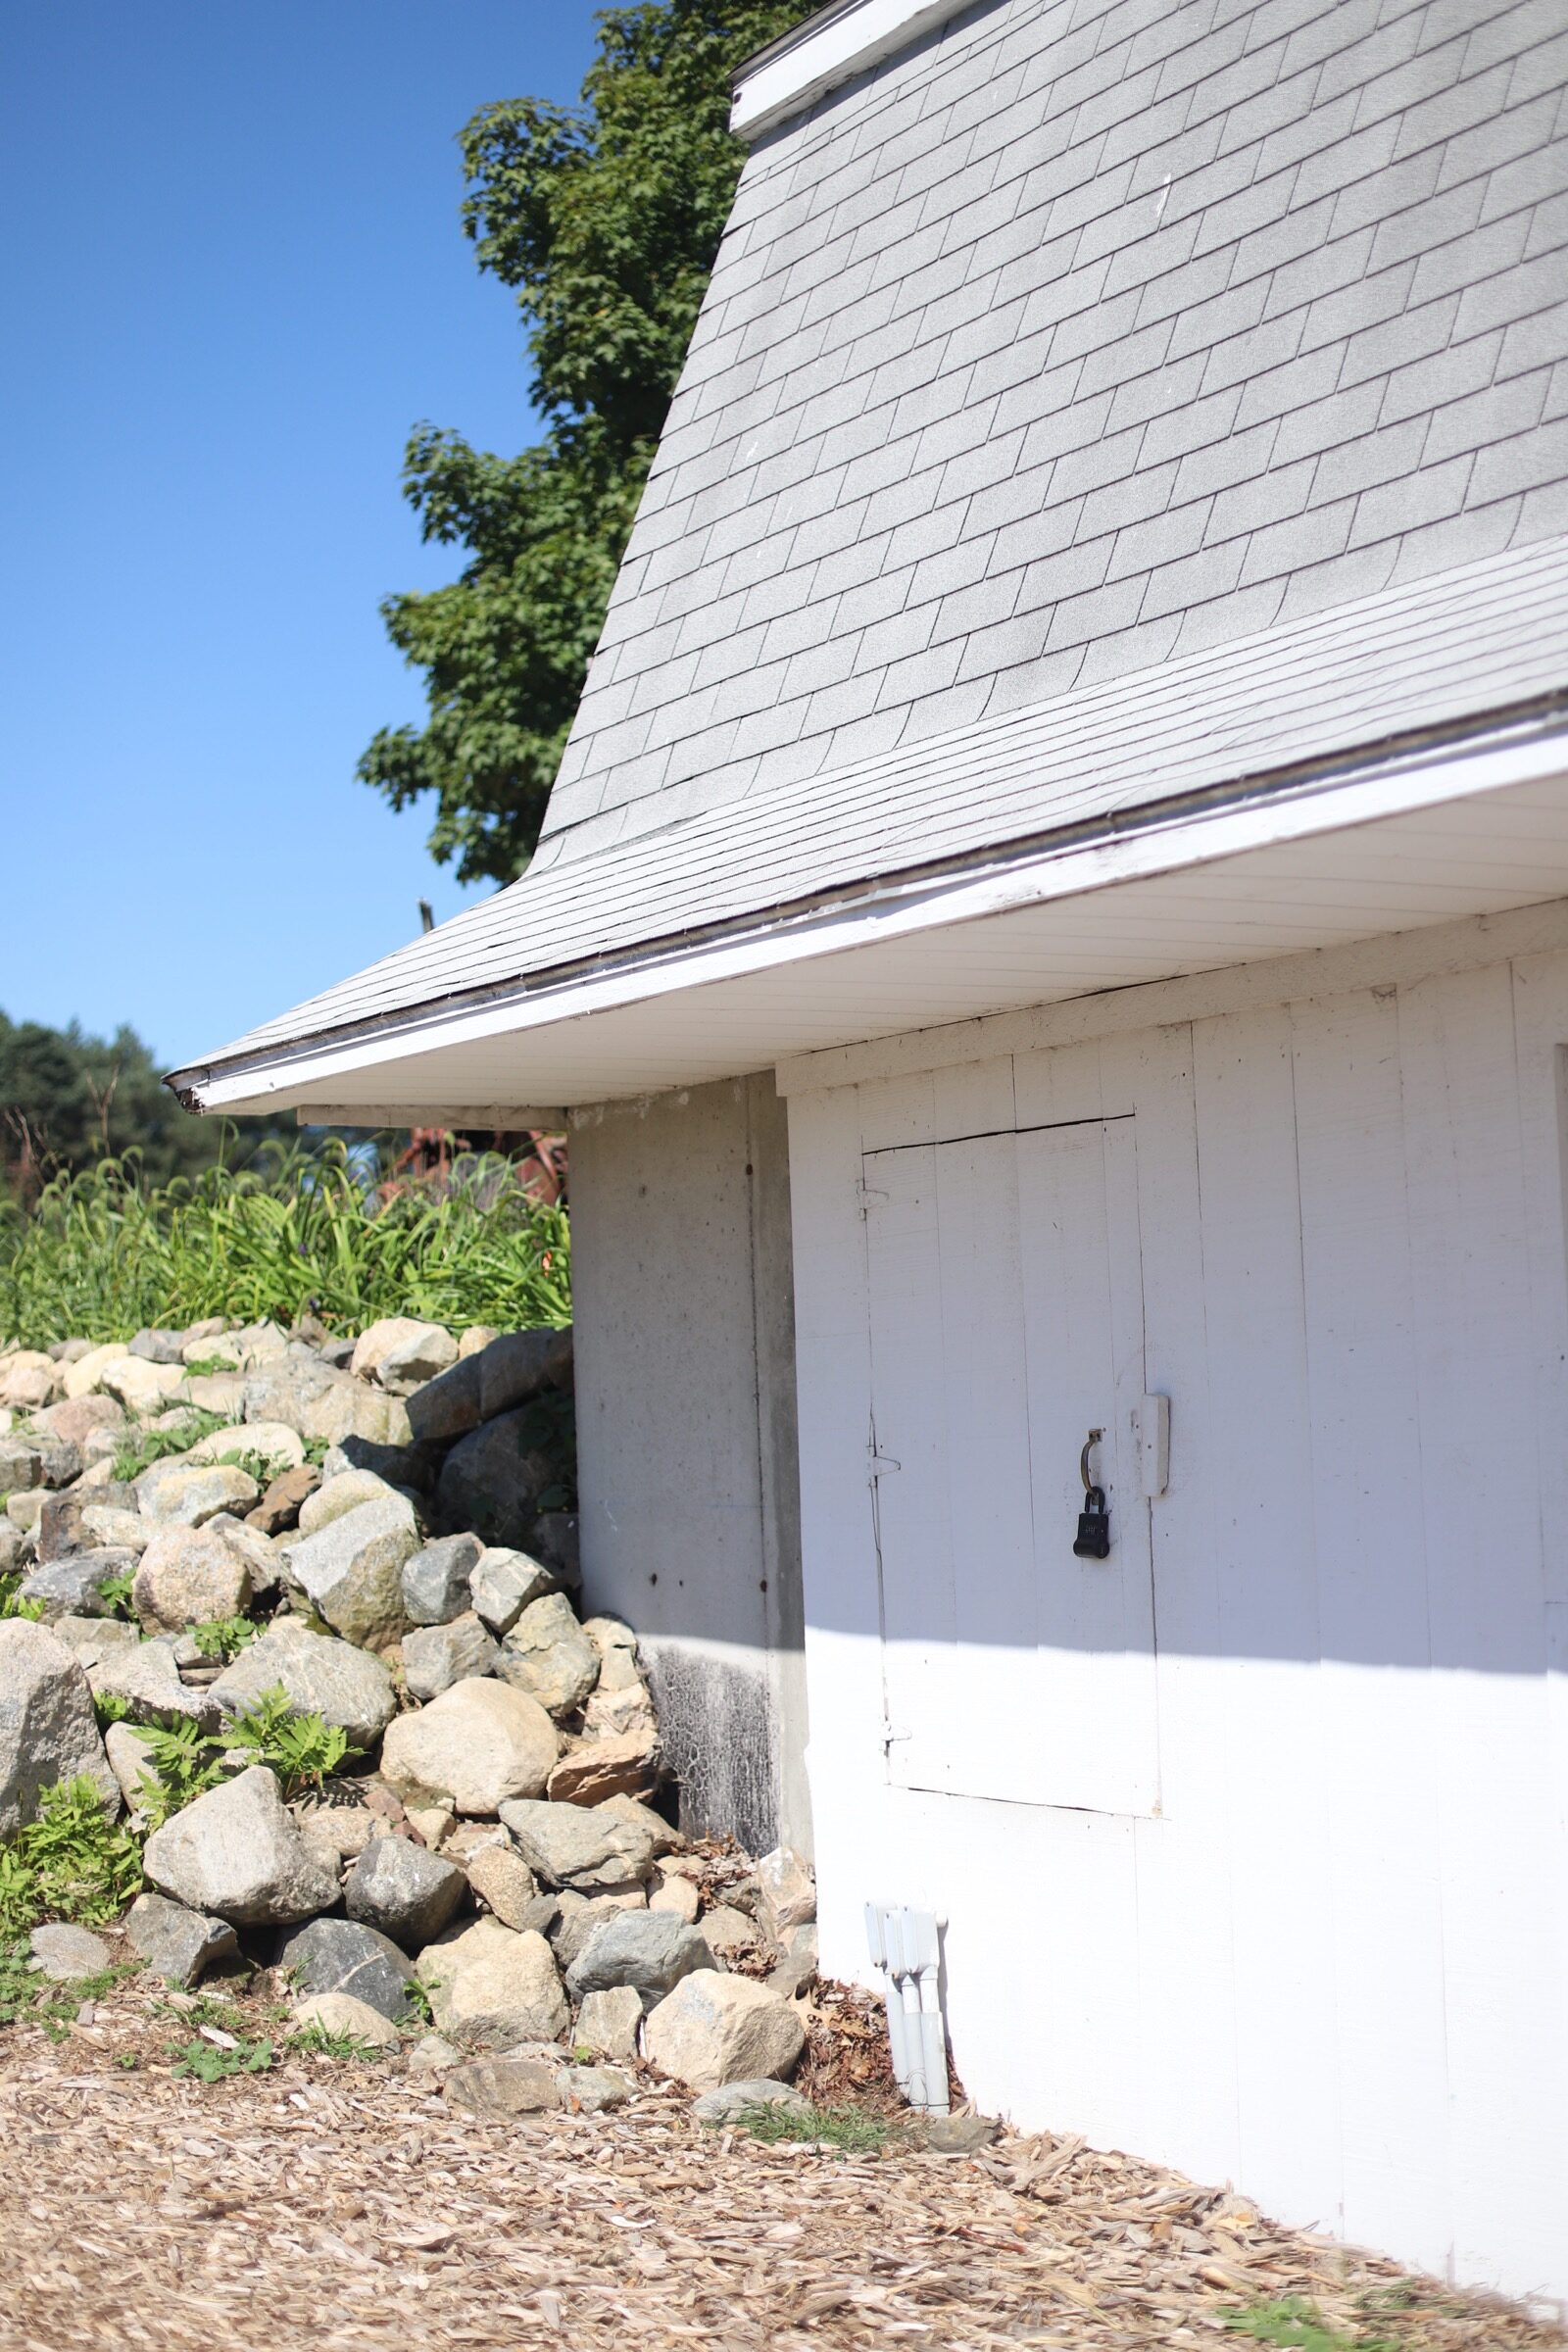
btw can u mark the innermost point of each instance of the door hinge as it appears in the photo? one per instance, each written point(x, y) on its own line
point(891, 1733)
point(866, 1194)
point(878, 1464)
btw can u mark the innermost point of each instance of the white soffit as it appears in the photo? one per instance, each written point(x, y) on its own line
point(1425, 842)
point(828, 49)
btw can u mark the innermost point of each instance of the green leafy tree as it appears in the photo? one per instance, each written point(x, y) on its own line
point(606, 218)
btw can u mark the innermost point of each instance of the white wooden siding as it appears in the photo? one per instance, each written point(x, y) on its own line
point(1331, 1970)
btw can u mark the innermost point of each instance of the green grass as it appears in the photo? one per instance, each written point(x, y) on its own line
point(29, 1999)
point(204, 2062)
point(315, 2041)
point(849, 2129)
point(102, 1254)
point(139, 1451)
point(1292, 2323)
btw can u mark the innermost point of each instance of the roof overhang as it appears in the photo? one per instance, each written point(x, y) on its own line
point(829, 49)
point(1470, 825)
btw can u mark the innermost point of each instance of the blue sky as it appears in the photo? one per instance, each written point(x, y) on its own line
point(233, 277)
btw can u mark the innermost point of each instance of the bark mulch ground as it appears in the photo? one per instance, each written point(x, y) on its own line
point(338, 2204)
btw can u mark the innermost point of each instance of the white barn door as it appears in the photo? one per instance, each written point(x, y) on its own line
point(1006, 1323)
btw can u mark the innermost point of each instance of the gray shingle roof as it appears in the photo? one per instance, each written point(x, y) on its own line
point(1085, 335)
point(1485, 640)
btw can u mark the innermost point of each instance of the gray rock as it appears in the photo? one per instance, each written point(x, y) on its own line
point(239, 1852)
point(505, 1583)
point(48, 1731)
point(352, 1571)
point(548, 1655)
point(520, 1365)
point(339, 2013)
point(795, 1972)
point(608, 2021)
point(90, 1640)
point(159, 1347)
point(407, 1467)
point(130, 1757)
point(73, 1587)
point(576, 1917)
point(505, 1990)
point(178, 1945)
point(343, 1956)
point(435, 1656)
point(21, 1465)
point(67, 1954)
point(337, 1497)
point(107, 1528)
point(344, 1685)
point(591, 2090)
point(649, 1950)
point(404, 1891)
point(498, 2090)
point(474, 1747)
point(580, 1845)
point(189, 1576)
point(955, 2134)
point(322, 1403)
point(11, 1544)
point(555, 1541)
point(448, 1406)
point(436, 1580)
point(147, 1675)
point(428, 1352)
point(59, 1524)
point(76, 1418)
point(732, 2101)
point(491, 1481)
point(432, 2054)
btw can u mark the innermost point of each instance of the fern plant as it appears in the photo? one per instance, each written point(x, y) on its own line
point(72, 1862)
point(183, 1768)
point(302, 1749)
point(224, 1637)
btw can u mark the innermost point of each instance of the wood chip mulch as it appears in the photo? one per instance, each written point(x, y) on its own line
point(342, 2206)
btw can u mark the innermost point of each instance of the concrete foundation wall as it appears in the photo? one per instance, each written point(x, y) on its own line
point(685, 1349)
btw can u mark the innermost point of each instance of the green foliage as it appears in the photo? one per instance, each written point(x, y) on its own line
point(606, 219)
point(258, 1467)
point(115, 1590)
point(224, 1637)
point(109, 1706)
point(72, 1862)
point(183, 1768)
point(143, 1447)
point(206, 2062)
point(1291, 2321)
point(11, 1602)
point(302, 1749)
point(104, 1253)
point(68, 1099)
point(851, 2129)
point(315, 2041)
point(206, 1367)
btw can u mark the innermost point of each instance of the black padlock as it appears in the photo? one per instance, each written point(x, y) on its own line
point(1094, 1527)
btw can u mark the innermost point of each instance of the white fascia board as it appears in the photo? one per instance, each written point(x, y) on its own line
point(792, 76)
point(497, 1117)
point(329, 1069)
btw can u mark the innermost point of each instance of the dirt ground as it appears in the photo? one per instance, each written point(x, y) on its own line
point(339, 2204)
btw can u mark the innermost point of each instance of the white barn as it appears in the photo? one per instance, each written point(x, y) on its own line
point(1056, 900)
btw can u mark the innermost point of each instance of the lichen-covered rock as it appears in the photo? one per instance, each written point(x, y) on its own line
point(573, 1845)
point(476, 1747)
point(178, 1945)
point(338, 1496)
point(177, 1493)
point(404, 1891)
point(649, 1950)
point(714, 2030)
point(343, 1956)
point(352, 1570)
point(505, 1582)
point(436, 1580)
point(548, 1655)
point(608, 2021)
point(48, 1730)
point(332, 1679)
point(435, 1656)
point(238, 1852)
point(188, 1576)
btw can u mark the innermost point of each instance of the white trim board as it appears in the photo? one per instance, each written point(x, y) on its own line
point(827, 51)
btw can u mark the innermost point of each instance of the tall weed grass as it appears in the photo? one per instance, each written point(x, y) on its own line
point(102, 1253)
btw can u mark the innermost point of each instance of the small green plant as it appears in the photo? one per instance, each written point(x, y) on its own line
point(851, 2129)
point(258, 1467)
point(115, 1590)
point(209, 1367)
point(139, 1450)
point(420, 2007)
point(12, 1603)
point(109, 1706)
point(224, 1637)
point(302, 1749)
point(127, 2059)
point(25, 1997)
point(1290, 2322)
point(316, 1450)
point(315, 2041)
point(72, 1862)
point(206, 2062)
point(183, 1768)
